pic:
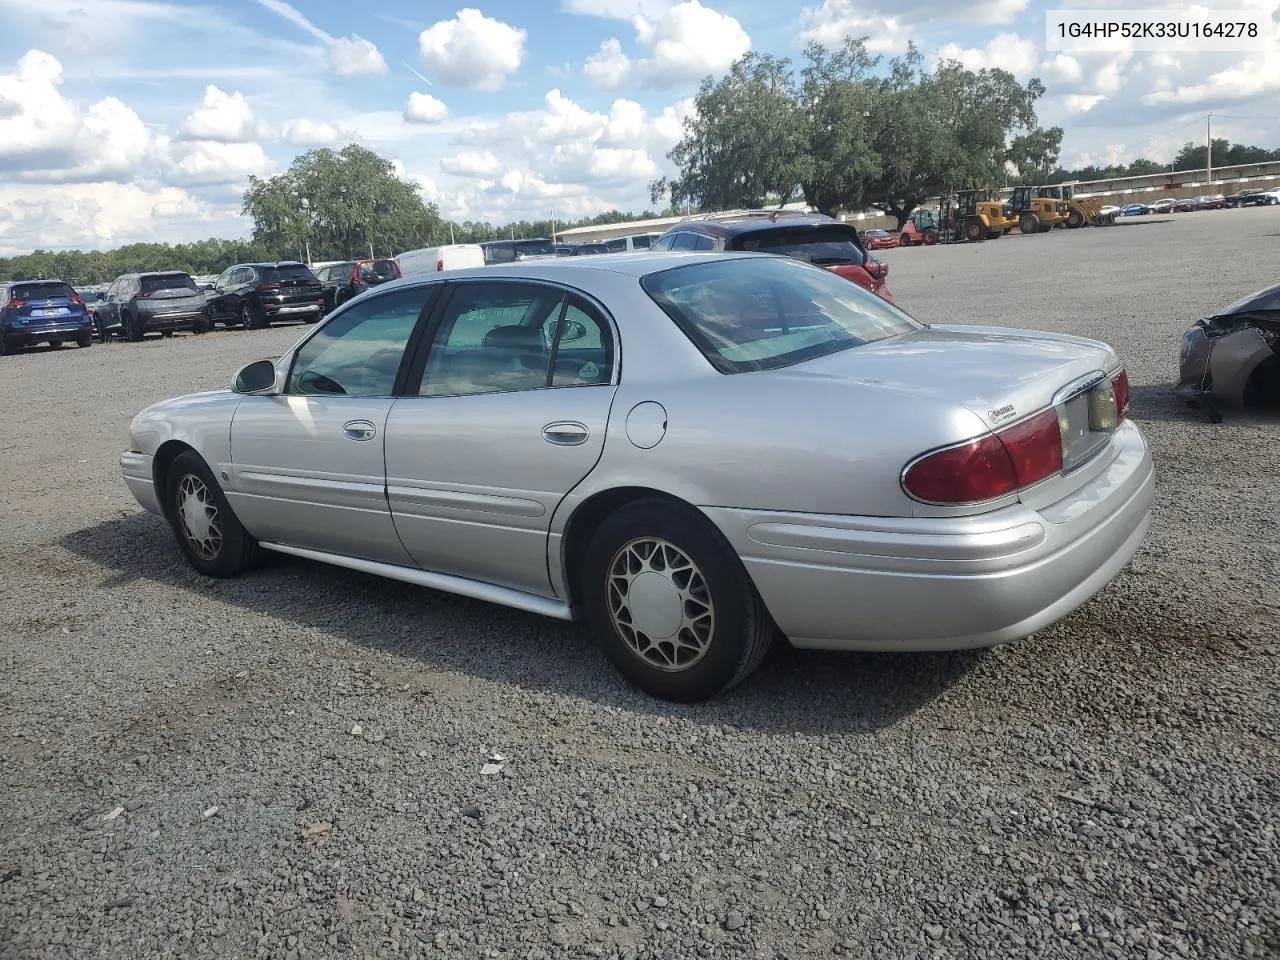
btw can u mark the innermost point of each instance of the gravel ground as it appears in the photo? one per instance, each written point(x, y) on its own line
point(288, 765)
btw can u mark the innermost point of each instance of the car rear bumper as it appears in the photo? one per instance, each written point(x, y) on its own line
point(71, 328)
point(291, 309)
point(140, 480)
point(886, 584)
point(172, 321)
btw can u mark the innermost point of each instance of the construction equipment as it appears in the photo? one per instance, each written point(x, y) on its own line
point(979, 216)
point(1036, 214)
point(921, 228)
point(1081, 211)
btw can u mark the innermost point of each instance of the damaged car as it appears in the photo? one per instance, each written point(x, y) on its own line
point(1233, 359)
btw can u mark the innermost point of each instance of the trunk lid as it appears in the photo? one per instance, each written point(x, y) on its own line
point(1003, 376)
point(45, 301)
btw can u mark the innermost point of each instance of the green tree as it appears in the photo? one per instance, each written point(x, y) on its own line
point(837, 99)
point(348, 203)
point(743, 144)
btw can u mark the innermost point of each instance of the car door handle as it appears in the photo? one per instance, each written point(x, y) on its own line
point(566, 433)
point(359, 430)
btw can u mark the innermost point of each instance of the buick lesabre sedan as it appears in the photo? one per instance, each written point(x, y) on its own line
point(696, 453)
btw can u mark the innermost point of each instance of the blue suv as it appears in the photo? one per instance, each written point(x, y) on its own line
point(42, 311)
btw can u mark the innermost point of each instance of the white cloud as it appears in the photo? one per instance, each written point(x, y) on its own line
point(687, 42)
point(348, 56)
point(1081, 102)
point(1007, 51)
point(473, 50)
point(1249, 77)
point(424, 108)
point(313, 133)
point(472, 164)
point(1063, 68)
point(225, 117)
point(830, 22)
point(355, 55)
point(203, 162)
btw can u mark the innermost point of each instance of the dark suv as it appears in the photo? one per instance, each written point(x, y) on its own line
point(140, 303)
point(814, 237)
point(339, 282)
point(253, 295)
point(42, 311)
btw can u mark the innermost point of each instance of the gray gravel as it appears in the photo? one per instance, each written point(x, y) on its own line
point(1108, 788)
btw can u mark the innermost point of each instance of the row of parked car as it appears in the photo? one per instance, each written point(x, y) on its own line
point(253, 296)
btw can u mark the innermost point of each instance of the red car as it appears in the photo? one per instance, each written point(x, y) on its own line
point(819, 239)
point(878, 239)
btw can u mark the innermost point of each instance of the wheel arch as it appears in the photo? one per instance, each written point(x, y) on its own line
point(168, 451)
point(585, 520)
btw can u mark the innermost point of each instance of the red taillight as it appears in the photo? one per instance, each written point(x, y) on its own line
point(989, 467)
point(1120, 384)
point(267, 287)
point(76, 298)
point(439, 265)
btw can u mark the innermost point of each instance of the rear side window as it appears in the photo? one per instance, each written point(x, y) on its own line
point(287, 272)
point(641, 242)
point(760, 314)
point(168, 281)
point(45, 290)
point(824, 246)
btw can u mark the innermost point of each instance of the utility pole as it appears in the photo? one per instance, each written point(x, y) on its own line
point(450, 233)
point(1208, 149)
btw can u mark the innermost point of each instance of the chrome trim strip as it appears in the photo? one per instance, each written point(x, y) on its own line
point(475, 589)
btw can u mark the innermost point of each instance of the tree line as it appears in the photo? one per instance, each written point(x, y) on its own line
point(850, 132)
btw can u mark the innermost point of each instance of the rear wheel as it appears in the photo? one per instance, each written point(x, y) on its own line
point(85, 341)
point(1029, 223)
point(249, 317)
point(672, 604)
point(994, 234)
point(166, 334)
point(209, 533)
point(975, 231)
point(5, 346)
point(1075, 219)
point(1046, 227)
point(929, 237)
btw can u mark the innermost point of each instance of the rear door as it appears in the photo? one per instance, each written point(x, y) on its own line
point(494, 433)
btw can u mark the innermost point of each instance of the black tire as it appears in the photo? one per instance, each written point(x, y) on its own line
point(975, 231)
point(250, 318)
point(104, 334)
point(1029, 223)
point(740, 631)
point(929, 237)
point(85, 341)
point(227, 549)
point(994, 234)
point(133, 328)
point(166, 334)
point(1075, 219)
point(1046, 227)
point(5, 346)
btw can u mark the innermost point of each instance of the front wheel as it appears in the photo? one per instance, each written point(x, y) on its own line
point(1029, 223)
point(133, 328)
point(672, 604)
point(209, 533)
point(1075, 219)
point(975, 231)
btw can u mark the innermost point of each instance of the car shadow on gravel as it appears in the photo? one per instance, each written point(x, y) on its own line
point(1158, 403)
point(794, 691)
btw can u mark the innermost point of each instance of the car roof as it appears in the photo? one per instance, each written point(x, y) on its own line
point(732, 226)
point(567, 270)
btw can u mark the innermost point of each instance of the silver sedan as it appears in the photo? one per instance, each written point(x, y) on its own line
point(696, 453)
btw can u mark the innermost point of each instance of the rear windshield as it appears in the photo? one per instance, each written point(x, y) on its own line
point(41, 291)
point(378, 270)
point(824, 246)
point(287, 272)
point(168, 281)
point(758, 314)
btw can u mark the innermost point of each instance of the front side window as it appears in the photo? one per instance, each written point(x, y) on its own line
point(824, 246)
point(684, 241)
point(759, 314)
point(358, 353)
point(664, 243)
point(493, 338)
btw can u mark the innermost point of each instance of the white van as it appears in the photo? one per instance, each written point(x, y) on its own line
point(451, 256)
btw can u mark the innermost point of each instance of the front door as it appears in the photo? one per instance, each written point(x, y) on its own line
point(307, 465)
point(508, 417)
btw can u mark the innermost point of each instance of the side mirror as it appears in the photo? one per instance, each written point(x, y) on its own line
point(573, 330)
point(258, 377)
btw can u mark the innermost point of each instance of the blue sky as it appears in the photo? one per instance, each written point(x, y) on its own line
point(126, 120)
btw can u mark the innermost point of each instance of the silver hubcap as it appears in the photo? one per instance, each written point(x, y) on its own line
point(199, 515)
point(660, 604)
